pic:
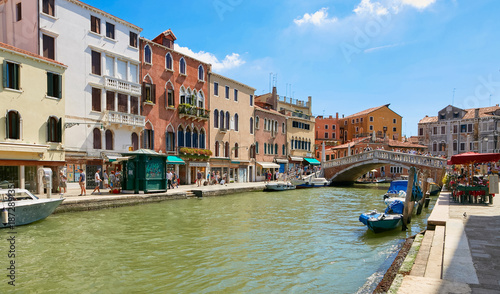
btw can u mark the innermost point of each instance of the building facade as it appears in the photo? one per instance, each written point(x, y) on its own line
point(231, 128)
point(327, 133)
point(455, 130)
point(30, 139)
point(175, 87)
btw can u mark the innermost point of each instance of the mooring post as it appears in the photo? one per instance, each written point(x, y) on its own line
point(425, 186)
point(406, 210)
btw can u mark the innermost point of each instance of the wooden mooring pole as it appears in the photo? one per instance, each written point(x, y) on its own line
point(408, 205)
point(425, 186)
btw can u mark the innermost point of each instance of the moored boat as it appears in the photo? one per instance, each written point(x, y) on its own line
point(380, 222)
point(28, 207)
point(279, 186)
point(434, 189)
point(397, 189)
point(310, 182)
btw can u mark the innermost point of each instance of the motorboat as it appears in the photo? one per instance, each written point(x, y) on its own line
point(279, 186)
point(390, 219)
point(310, 181)
point(397, 189)
point(21, 207)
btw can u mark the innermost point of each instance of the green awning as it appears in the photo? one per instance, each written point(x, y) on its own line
point(174, 160)
point(312, 161)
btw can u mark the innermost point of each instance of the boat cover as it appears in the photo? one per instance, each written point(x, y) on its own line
point(396, 186)
point(396, 206)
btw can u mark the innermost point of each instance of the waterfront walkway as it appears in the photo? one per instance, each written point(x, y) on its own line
point(461, 252)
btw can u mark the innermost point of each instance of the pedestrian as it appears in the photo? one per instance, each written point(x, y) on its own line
point(106, 179)
point(169, 180)
point(81, 181)
point(112, 179)
point(62, 183)
point(97, 178)
point(198, 178)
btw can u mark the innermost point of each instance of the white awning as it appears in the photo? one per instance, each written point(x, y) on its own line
point(268, 165)
point(296, 158)
point(281, 160)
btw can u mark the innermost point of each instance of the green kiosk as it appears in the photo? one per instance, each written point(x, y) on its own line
point(144, 170)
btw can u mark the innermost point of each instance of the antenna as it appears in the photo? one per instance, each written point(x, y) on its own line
point(453, 99)
point(270, 77)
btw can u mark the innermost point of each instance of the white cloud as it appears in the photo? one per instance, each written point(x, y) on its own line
point(318, 18)
point(368, 7)
point(420, 4)
point(229, 62)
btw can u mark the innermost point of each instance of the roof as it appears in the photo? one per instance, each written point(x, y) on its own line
point(470, 114)
point(352, 143)
point(272, 111)
point(8, 47)
point(428, 119)
point(231, 80)
point(369, 110)
point(401, 144)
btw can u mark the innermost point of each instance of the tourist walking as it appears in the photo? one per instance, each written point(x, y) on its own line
point(81, 181)
point(97, 178)
point(112, 179)
point(198, 178)
point(169, 180)
point(62, 183)
point(106, 179)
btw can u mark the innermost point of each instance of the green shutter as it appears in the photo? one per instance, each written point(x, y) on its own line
point(15, 76)
point(5, 74)
point(59, 130)
point(59, 81)
point(7, 125)
point(50, 84)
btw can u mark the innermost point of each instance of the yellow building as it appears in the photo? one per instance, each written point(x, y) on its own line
point(31, 118)
point(380, 121)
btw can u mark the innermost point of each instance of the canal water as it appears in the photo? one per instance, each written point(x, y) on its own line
point(302, 241)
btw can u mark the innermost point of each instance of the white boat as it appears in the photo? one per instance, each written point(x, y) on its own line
point(279, 186)
point(310, 182)
point(23, 208)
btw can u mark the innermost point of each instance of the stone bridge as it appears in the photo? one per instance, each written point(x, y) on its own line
point(347, 169)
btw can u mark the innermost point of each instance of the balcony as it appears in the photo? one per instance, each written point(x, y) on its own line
point(122, 86)
point(192, 112)
point(120, 118)
point(222, 130)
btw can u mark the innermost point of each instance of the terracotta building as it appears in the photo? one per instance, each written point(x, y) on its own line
point(231, 128)
point(327, 131)
point(174, 91)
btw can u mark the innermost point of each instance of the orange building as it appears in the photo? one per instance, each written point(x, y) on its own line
point(380, 121)
point(326, 131)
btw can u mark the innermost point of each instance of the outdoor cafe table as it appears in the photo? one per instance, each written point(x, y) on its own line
point(470, 193)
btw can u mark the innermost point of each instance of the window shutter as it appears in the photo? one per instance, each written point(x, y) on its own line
point(143, 92)
point(50, 84)
point(15, 77)
point(59, 82)
point(48, 130)
point(59, 130)
point(153, 93)
point(152, 140)
point(5, 74)
point(144, 139)
point(7, 135)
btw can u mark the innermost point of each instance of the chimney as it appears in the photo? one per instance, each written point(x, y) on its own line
point(476, 113)
point(274, 98)
point(337, 115)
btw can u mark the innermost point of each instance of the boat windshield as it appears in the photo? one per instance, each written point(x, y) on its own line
point(17, 196)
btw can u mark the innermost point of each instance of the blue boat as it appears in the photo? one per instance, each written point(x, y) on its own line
point(397, 189)
point(388, 220)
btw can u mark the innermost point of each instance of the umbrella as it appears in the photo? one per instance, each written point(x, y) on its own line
point(473, 157)
point(373, 170)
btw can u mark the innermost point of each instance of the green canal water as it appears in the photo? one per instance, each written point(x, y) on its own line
point(302, 241)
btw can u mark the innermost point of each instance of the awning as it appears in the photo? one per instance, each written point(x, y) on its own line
point(112, 158)
point(281, 160)
point(174, 160)
point(312, 161)
point(295, 158)
point(268, 165)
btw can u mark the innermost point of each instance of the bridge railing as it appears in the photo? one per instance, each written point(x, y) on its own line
point(403, 158)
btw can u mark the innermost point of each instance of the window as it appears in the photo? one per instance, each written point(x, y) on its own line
point(236, 127)
point(455, 115)
point(333, 127)
point(357, 120)
point(371, 128)
point(227, 120)
point(168, 61)
point(180, 137)
point(435, 130)
point(283, 128)
point(251, 100)
point(442, 116)
point(48, 47)
point(148, 139)
point(122, 103)
point(202, 139)
point(257, 123)
point(201, 73)
point(265, 148)
point(226, 150)
point(227, 92)
point(110, 100)
point(326, 127)
point(276, 149)
point(96, 99)
point(257, 147)
point(170, 96)
point(455, 129)
point(216, 89)
point(235, 150)
point(394, 120)
point(235, 94)
point(96, 63)
point(394, 129)
point(352, 121)
point(170, 140)
point(251, 125)
point(135, 141)
point(134, 105)
point(334, 136)
point(221, 119)
point(133, 39)
point(149, 92)
point(469, 128)
point(188, 137)
point(217, 148)
point(434, 146)
point(182, 66)
point(455, 145)
point(327, 157)
point(109, 140)
point(443, 130)
point(420, 131)
point(11, 75)
point(462, 146)
point(463, 128)
point(147, 54)
point(110, 30)
point(97, 138)
point(48, 7)
point(371, 118)
point(95, 24)
point(13, 125)
point(54, 85)
point(283, 149)
point(216, 118)
point(19, 14)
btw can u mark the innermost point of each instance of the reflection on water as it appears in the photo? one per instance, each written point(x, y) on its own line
point(301, 241)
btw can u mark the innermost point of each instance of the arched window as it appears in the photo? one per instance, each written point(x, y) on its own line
point(182, 95)
point(168, 61)
point(283, 149)
point(97, 138)
point(251, 125)
point(226, 150)
point(216, 118)
point(182, 66)
point(180, 136)
point(169, 95)
point(148, 138)
point(135, 141)
point(257, 122)
point(235, 150)
point(217, 149)
point(201, 73)
point(265, 148)
point(236, 122)
point(13, 125)
point(188, 137)
point(195, 138)
point(265, 124)
point(170, 139)
point(221, 119)
point(269, 149)
point(109, 140)
point(256, 147)
point(276, 149)
point(189, 97)
point(201, 100)
point(227, 120)
point(54, 129)
point(147, 54)
point(202, 139)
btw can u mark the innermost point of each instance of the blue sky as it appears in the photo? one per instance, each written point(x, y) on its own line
point(349, 55)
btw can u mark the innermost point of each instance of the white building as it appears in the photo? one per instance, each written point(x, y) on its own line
point(103, 114)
